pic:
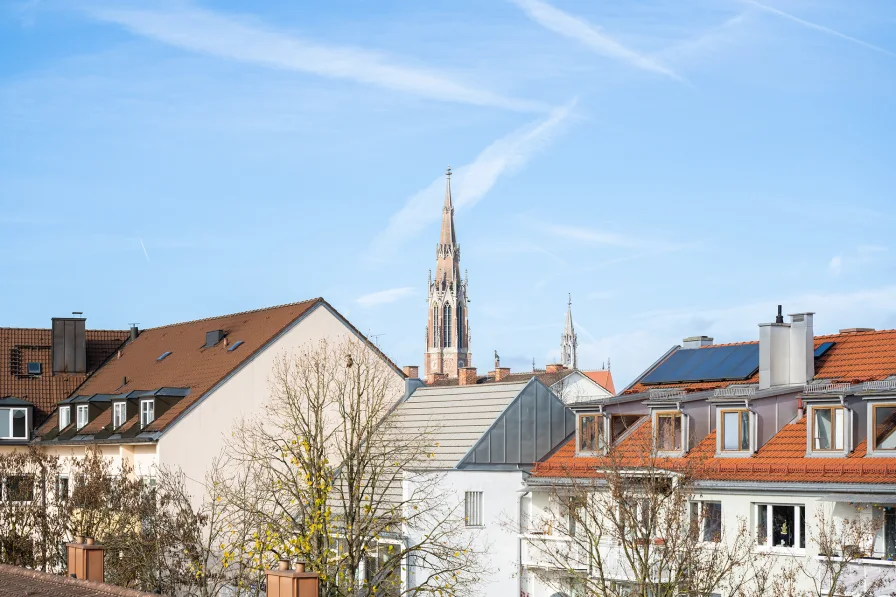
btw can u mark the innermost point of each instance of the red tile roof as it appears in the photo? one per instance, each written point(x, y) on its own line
point(190, 364)
point(854, 357)
point(602, 378)
point(20, 346)
point(782, 459)
point(15, 581)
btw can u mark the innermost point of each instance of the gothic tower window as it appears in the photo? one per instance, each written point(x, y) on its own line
point(435, 327)
point(460, 326)
point(446, 326)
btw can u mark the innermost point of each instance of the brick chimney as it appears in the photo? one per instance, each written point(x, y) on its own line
point(501, 373)
point(285, 582)
point(554, 368)
point(85, 559)
point(412, 371)
point(434, 377)
point(466, 376)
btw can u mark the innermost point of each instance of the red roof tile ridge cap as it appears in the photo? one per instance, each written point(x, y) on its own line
point(249, 312)
point(744, 343)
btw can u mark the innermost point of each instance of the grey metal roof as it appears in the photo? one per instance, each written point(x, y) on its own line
point(456, 417)
point(13, 401)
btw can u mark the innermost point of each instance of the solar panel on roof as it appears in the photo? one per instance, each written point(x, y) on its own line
point(712, 363)
point(823, 348)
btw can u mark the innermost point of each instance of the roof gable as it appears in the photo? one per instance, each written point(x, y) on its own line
point(530, 428)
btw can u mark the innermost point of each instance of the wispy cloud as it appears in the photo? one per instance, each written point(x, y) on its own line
point(144, 251)
point(817, 27)
point(469, 184)
point(247, 41)
point(573, 27)
point(383, 297)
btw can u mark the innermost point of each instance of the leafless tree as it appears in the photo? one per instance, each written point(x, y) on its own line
point(320, 478)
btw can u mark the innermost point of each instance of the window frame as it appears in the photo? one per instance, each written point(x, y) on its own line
point(600, 437)
point(721, 431)
point(799, 526)
point(473, 509)
point(116, 406)
point(843, 437)
point(9, 412)
point(85, 408)
point(68, 416)
point(656, 432)
point(872, 431)
point(143, 422)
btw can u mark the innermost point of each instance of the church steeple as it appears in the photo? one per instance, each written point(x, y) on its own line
point(568, 341)
point(447, 330)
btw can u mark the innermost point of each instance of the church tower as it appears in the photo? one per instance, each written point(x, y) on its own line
point(447, 330)
point(568, 342)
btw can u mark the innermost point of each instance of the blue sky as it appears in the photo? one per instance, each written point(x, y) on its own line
point(680, 168)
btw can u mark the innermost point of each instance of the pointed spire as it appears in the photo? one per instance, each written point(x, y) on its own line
point(447, 237)
point(568, 341)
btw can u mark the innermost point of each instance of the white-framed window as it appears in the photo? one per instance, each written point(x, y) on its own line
point(65, 417)
point(781, 525)
point(706, 521)
point(734, 427)
point(590, 430)
point(63, 489)
point(119, 414)
point(147, 412)
point(828, 428)
point(669, 433)
point(473, 508)
point(82, 415)
point(883, 427)
point(13, 423)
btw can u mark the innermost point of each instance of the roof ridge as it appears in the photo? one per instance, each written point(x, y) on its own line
point(4, 329)
point(248, 312)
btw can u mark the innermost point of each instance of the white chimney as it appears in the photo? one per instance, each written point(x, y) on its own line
point(802, 348)
point(696, 342)
point(774, 353)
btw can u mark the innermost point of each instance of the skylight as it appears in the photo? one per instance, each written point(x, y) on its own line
point(164, 356)
point(234, 346)
point(34, 368)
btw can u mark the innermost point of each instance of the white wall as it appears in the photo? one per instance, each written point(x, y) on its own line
point(741, 506)
point(498, 536)
point(193, 442)
point(576, 387)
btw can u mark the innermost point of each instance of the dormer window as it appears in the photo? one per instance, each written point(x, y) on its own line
point(82, 416)
point(119, 414)
point(147, 412)
point(14, 423)
point(669, 433)
point(590, 433)
point(735, 430)
point(65, 417)
point(884, 430)
point(827, 428)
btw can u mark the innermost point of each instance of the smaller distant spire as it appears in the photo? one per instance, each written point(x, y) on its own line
point(568, 341)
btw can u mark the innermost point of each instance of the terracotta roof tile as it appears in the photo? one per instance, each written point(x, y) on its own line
point(19, 346)
point(782, 459)
point(190, 364)
point(854, 357)
point(16, 582)
point(602, 378)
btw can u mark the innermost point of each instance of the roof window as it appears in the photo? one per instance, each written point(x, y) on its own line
point(34, 368)
point(213, 337)
point(235, 345)
point(164, 356)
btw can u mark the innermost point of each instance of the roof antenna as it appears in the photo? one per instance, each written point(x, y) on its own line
point(780, 317)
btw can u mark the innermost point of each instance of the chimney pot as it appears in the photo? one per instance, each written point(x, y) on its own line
point(501, 373)
point(85, 561)
point(134, 332)
point(696, 342)
point(412, 371)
